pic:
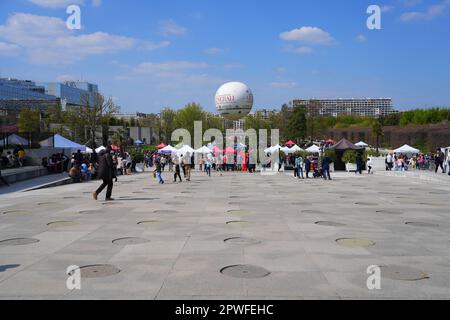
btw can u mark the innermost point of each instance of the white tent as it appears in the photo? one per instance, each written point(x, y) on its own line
point(294, 149)
point(277, 148)
point(313, 149)
point(184, 150)
point(361, 144)
point(100, 149)
point(203, 150)
point(89, 150)
point(407, 150)
point(14, 140)
point(60, 142)
point(168, 150)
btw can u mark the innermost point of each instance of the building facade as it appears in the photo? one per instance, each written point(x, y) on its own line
point(15, 90)
point(72, 92)
point(338, 107)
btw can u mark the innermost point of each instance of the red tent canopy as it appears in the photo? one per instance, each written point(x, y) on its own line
point(216, 150)
point(162, 145)
point(290, 143)
point(330, 141)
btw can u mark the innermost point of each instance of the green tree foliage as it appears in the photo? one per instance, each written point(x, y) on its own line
point(186, 117)
point(297, 124)
point(349, 156)
point(29, 121)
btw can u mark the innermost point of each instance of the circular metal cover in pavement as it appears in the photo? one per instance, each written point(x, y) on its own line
point(45, 203)
point(242, 241)
point(98, 271)
point(148, 223)
point(330, 224)
point(390, 211)
point(165, 211)
point(129, 241)
point(88, 211)
point(18, 212)
point(422, 224)
point(367, 204)
point(355, 242)
point(402, 273)
point(312, 211)
point(237, 223)
point(234, 203)
point(18, 242)
point(245, 272)
point(60, 224)
point(238, 212)
point(175, 203)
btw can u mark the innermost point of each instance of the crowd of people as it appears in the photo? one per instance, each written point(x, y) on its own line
point(13, 159)
point(401, 162)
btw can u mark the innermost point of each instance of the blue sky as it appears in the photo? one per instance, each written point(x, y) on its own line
point(151, 54)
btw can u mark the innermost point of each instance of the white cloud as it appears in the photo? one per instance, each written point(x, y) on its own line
point(298, 50)
point(309, 35)
point(168, 68)
point(387, 8)
point(213, 51)
point(46, 40)
point(171, 28)
point(7, 49)
point(361, 38)
point(57, 4)
point(283, 85)
point(54, 4)
point(430, 13)
point(65, 77)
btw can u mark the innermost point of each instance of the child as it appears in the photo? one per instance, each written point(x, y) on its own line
point(370, 165)
point(158, 172)
point(177, 171)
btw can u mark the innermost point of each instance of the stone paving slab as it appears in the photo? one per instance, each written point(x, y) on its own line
point(180, 229)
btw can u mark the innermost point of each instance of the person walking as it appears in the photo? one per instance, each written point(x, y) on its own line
point(187, 166)
point(448, 162)
point(307, 166)
point(359, 163)
point(326, 161)
point(439, 160)
point(299, 161)
point(177, 173)
point(369, 165)
point(158, 171)
point(106, 173)
point(208, 164)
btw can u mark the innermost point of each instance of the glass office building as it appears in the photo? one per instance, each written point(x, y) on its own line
point(74, 93)
point(13, 89)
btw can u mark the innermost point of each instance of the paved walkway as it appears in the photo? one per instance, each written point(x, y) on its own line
point(168, 241)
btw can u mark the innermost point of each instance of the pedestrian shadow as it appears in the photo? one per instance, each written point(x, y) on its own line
point(8, 266)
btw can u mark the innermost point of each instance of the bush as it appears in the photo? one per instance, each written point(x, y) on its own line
point(331, 153)
point(350, 156)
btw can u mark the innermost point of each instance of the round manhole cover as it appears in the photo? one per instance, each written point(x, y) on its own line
point(98, 271)
point(367, 204)
point(88, 212)
point(312, 211)
point(71, 197)
point(234, 203)
point(330, 224)
point(111, 203)
point(18, 212)
point(165, 211)
point(18, 242)
point(138, 192)
point(355, 242)
point(238, 212)
point(237, 223)
point(129, 241)
point(422, 224)
point(61, 224)
point(245, 272)
point(390, 211)
point(148, 223)
point(174, 203)
point(242, 241)
point(402, 273)
point(45, 203)
point(430, 204)
point(439, 192)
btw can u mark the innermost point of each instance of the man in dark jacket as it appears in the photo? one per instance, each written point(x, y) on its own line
point(326, 161)
point(106, 173)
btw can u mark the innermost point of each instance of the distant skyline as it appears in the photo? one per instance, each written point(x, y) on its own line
point(149, 55)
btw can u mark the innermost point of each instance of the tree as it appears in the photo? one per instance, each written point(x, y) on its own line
point(29, 121)
point(297, 124)
point(377, 131)
point(166, 124)
point(90, 116)
point(186, 117)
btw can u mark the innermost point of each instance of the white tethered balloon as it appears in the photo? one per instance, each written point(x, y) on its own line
point(234, 100)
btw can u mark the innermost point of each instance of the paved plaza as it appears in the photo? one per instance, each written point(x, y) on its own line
point(239, 236)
